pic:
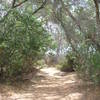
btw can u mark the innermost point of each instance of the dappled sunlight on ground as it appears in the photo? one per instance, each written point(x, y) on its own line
point(50, 84)
point(75, 96)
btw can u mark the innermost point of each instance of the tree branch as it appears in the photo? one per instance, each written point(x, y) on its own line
point(71, 15)
point(17, 5)
point(41, 7)
point(13, 3)
point(97, 11)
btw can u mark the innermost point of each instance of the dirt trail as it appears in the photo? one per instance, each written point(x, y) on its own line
point(51, 84)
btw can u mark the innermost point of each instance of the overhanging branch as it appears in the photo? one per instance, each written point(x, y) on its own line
point(97, 11)
point(41, 7)
point(17, 5)
point(13, 3)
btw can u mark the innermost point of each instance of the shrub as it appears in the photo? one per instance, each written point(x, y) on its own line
point(88, 63)
point(67, 65)
point(41, 63)
point(22, 41)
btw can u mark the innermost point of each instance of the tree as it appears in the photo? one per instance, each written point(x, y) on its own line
point(82, 33)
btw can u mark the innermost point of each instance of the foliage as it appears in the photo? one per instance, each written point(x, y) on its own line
point(40, 63)
point(22, 41)
point(81, 24)
point(88, 66)
point(67, 64)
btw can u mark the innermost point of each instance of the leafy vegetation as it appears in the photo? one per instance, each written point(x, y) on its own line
point(73, 24)
point(82, 35)
point(23, 40)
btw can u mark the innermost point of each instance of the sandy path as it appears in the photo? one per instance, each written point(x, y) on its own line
point(51, 84)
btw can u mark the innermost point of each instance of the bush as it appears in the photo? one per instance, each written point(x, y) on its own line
point(22, 41)
point(41, 63)
point(67, 65)
point(88, 63)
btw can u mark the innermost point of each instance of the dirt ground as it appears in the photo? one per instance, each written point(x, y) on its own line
point(50, 84)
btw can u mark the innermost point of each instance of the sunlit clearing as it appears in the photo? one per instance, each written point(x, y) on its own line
point(50, 71)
